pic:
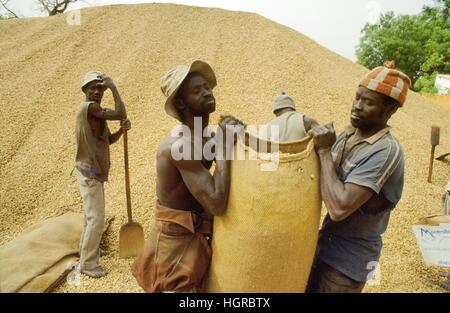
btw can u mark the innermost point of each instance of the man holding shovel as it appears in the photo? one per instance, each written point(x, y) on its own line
point(92, 163)
point(177, 255)
point(361, 181)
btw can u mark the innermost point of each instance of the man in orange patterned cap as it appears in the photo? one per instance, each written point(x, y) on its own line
point(361, 182)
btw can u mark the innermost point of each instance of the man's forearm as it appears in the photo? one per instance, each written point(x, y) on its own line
point(331, 186)
point(116, 136)
point(221, 180)
point(222, 176)
point(119, 106)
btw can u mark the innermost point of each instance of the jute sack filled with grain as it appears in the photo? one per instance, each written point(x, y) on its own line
point(267, 238)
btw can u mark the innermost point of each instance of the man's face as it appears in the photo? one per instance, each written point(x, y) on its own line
point(198, 95)
point(94, 91)
point(369, 109)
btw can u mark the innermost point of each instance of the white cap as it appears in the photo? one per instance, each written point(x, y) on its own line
point(282, 101)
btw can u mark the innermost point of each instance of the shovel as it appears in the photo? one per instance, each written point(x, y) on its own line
point(131, 237)
point(435, 134)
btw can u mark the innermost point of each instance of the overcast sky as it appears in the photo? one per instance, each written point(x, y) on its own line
point(334, 24)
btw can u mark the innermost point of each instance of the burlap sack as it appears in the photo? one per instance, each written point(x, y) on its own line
point(31, 255)
point(267, 238)
point(40, 258)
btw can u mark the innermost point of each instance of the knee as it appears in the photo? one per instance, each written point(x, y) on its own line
point(97, 221)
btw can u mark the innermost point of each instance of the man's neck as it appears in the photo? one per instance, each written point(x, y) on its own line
point(89, 100)
point(190, 121)
point(282, 111)
point(361, 134)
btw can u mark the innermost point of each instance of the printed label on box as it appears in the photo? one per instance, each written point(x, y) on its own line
point(434, 243)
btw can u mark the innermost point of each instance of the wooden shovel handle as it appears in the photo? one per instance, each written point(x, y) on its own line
point(127, 175)
point(430, 168)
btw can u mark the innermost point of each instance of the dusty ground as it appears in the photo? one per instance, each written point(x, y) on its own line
point(43, 61)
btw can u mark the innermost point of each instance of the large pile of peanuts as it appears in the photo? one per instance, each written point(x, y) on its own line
point(43, 61)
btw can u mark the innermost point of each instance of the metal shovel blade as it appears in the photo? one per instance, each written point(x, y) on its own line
point(131, 239)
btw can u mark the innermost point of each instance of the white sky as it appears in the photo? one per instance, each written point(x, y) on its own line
point(334, 24)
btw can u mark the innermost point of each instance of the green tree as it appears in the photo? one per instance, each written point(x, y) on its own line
point(419, 44)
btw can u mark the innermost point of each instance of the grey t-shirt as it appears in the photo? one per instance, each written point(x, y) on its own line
point(290, 127)
point(92, 159)
point(353, 246)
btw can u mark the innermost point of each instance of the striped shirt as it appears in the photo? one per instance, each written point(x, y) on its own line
point(353, 246)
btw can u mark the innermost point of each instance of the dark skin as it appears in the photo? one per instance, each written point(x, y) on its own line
point(308, 122)
point(370, 113)
point(97, 115)
point(188, 184)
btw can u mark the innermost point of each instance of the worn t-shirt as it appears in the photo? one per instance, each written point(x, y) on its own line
point(92, 137)
point(289, 126)
point(353, 246)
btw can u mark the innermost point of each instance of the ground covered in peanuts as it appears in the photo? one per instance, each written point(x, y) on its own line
point(43, 61)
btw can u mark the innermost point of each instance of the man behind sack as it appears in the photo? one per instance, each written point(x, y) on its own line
point(292, 125)
point(92, 162)
point(177, 254)
point(361, 182)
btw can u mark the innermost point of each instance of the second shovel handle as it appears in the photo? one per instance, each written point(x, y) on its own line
point(430, 168)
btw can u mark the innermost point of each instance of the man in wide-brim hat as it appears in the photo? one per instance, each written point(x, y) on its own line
point(177, 255)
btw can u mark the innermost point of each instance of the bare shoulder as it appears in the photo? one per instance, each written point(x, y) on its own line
point(164, 161)
point(96, 110)
point(94, 107)
point(170, 145)
point(172, 150)
point(164, 148)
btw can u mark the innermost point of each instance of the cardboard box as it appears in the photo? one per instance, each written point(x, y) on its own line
point(433, 237)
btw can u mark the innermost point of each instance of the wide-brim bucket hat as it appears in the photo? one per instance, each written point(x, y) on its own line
point(174, 78)
point(90, 77)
